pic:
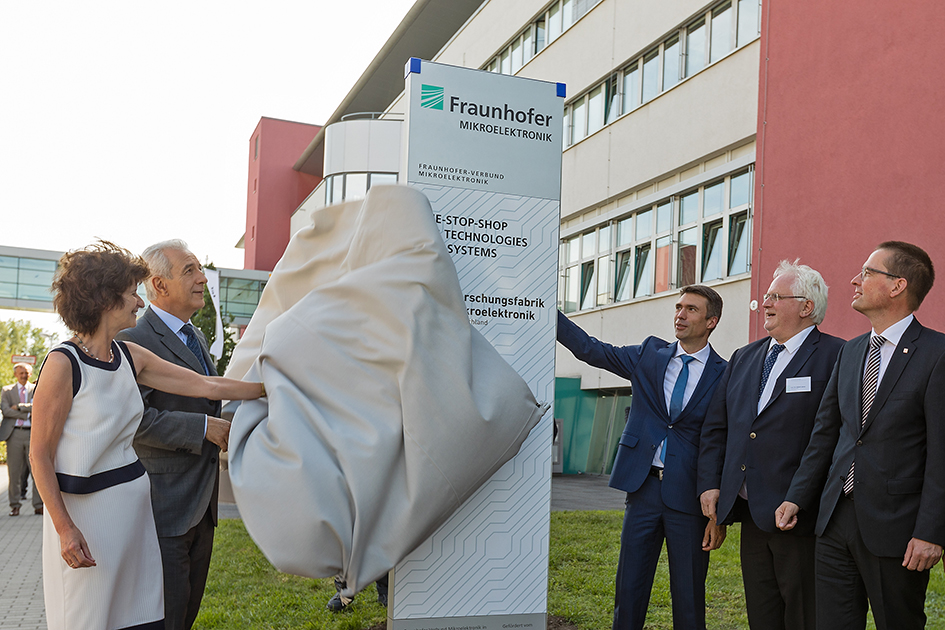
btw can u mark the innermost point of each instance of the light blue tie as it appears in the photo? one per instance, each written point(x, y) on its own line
point(677, 397)
point(679, 389)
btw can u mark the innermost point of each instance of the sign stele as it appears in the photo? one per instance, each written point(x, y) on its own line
point(486, 150)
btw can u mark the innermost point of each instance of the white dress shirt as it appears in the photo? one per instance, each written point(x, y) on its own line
point(892, 335)
point(791, 346)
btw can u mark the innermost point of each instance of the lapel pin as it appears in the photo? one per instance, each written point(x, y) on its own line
point(905, 350)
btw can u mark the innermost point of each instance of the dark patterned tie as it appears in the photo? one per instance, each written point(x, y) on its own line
point(870, 383)
point(769, 363)
point(194, 345)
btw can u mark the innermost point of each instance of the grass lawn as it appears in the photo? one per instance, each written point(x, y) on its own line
point(583, 562)
point(245, 591)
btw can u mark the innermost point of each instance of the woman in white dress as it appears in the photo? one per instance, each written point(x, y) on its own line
point(101, 560)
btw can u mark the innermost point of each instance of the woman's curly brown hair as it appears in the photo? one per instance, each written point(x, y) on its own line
point(93, 280)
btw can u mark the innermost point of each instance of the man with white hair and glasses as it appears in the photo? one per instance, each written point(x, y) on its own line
point(755, 432)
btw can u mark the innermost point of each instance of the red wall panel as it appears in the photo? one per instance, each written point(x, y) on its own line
point(274, 189)
point(851, 143)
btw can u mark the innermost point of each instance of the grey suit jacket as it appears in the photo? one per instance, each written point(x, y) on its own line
point(182, 465)
point(9, 399)
point(900, 472)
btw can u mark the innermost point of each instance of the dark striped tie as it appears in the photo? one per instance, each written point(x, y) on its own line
point(870, 383)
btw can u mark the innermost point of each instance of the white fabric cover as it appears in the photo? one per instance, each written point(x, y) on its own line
point(386, 409)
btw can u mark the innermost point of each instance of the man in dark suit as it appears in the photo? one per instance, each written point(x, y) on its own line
point(656, 457)
point(875, 460)
point(16, 402)
point(757, 428)
point(180, 438)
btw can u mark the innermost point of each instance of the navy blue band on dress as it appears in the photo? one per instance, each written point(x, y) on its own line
point(73, 484)
point(151, 625)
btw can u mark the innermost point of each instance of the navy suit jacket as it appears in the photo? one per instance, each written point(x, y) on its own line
point(740, 444)
point(900, 468)
point(648, 423)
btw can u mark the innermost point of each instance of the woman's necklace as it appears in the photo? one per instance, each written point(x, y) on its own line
point(111, 355)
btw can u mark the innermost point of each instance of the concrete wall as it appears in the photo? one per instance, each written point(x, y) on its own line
point(354, 146)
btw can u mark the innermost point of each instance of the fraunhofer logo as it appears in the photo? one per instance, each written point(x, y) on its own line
point(432, 96)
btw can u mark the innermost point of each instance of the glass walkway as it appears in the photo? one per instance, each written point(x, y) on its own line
point(26, 278)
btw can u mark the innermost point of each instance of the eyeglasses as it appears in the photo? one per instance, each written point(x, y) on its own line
point(777, 297)
point(866, 271)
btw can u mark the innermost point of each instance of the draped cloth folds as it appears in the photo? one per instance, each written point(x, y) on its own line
point(386, 409)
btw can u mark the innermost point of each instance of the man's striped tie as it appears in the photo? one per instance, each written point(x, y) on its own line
point(870, 382)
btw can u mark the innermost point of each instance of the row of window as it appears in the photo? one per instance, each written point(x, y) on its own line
point(705, 39)
point(351, 186)
point(239, 297)
point(26, 278)
point(697, 236)
point(550, 24)
point(31, 279)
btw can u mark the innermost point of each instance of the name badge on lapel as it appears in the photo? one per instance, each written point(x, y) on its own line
point(797, 385)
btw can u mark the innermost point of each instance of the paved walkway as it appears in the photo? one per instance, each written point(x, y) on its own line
point(21, 541)
point(21, 569)
point(584, 492)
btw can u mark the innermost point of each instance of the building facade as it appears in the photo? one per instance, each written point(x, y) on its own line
point(704, 142)
point(657, 169)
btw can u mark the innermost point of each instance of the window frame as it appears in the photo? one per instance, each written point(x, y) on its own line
point(656, 54)
point(632, 250)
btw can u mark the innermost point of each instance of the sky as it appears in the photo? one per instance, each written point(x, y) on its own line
point(131, 121)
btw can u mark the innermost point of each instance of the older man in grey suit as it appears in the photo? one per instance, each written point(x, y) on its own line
point(180, 438)
point(16, 402)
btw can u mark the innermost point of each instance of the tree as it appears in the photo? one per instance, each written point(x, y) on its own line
point(206, 320)
point(18, 336)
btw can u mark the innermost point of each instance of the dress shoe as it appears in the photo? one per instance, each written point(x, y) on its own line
point(14, 511)
point(337, 603)
point(38, 510)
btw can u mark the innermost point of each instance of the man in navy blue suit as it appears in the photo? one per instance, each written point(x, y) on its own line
point(656, 458)
point(754, 436)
